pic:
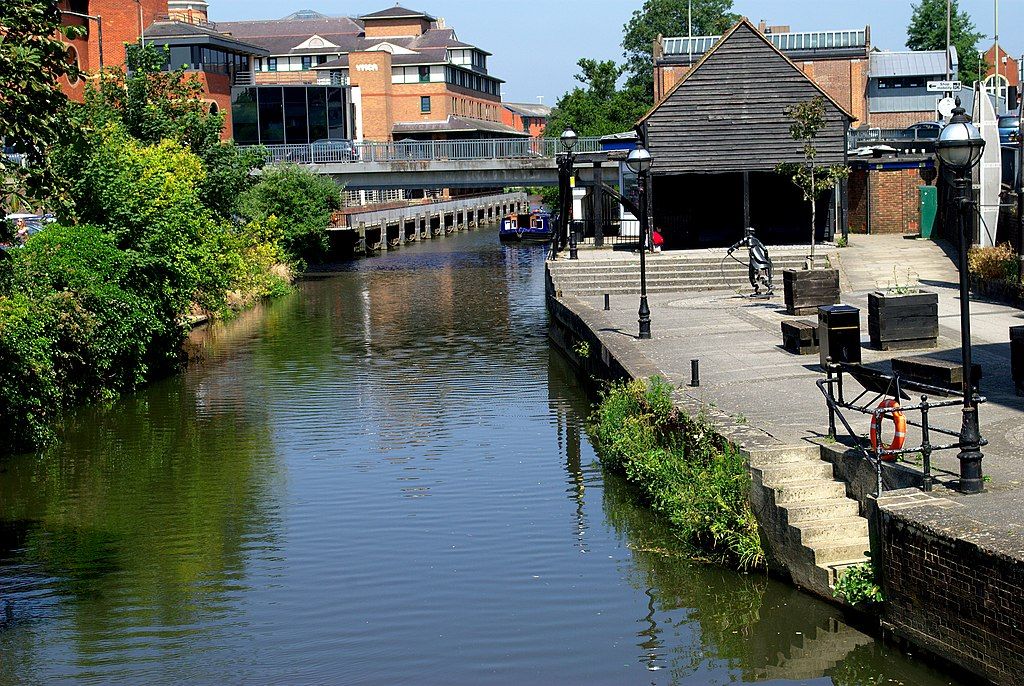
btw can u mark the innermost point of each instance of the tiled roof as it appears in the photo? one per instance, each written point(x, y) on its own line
point(528, 109)
point(397, 12)
point(909, 63)
point(183, 30)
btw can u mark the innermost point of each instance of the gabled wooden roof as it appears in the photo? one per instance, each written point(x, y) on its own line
point(743, 23)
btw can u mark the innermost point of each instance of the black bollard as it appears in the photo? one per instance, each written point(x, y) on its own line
point(607, 302)
point(695, 373)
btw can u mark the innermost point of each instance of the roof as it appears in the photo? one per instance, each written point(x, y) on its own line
point(725, 37)
point(181, 33)
point(455, 124)
point(828, 43)
point(398, 12)
point(527, 109)
point(908, 63)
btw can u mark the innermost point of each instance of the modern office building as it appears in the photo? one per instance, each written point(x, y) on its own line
point(409, 75)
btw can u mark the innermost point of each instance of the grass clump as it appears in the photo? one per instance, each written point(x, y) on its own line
point(683, 467)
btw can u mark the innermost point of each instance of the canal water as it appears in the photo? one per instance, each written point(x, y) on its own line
point(383, 478)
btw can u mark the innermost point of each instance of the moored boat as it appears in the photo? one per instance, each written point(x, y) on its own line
point(533, 226)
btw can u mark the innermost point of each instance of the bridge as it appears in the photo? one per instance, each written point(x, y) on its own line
point(484, 163)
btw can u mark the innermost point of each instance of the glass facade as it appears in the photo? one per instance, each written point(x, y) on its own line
point(288, 115)
point(203, 58)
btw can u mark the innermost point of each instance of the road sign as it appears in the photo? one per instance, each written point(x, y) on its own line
point(944, 86)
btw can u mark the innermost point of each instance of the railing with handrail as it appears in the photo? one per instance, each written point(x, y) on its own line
point(330, 152)
point(396, 214)
point(859, 137)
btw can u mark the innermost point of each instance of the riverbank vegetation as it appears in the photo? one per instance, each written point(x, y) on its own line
point(686, 472)
point(159, 221)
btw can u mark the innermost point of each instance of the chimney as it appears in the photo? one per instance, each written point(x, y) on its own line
point(762, 25)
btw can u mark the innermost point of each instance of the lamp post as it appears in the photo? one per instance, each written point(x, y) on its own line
point(565, 168)
point(99, 30)
point(959, 147)
point(639, 162)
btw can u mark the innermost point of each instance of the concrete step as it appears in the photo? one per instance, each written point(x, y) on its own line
point(808, 489)
point(826, 554)
point(816, 510)
point(835, 530)
point(784, 454)
point(564, 268)
point(779, 474)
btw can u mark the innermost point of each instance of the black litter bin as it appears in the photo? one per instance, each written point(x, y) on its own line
point(839, 333)
point(1017, 357)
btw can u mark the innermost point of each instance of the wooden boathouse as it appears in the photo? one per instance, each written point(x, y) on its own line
point(716, 138)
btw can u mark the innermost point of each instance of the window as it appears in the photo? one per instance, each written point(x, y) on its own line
point(424, 103)
point(307, 63)
point(424, 74)
point(272, 64)
point(321, 59)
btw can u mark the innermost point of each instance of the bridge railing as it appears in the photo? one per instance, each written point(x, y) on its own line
point(424, 151)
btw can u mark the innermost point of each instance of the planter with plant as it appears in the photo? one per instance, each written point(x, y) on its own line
point(903, 316)
point(808, 288)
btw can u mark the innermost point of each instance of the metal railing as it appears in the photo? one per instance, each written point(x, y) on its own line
point(425, 151)
point(861, 137)
point(245, 78)
point(876, 387)
point(410, 212)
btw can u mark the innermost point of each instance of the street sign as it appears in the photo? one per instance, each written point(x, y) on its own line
point(944, 86)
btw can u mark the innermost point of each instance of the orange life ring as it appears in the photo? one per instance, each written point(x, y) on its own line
point(898, 420)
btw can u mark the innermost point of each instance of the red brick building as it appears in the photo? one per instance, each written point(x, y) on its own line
point(528, 117)
point(410, 75)
point(1008, 79)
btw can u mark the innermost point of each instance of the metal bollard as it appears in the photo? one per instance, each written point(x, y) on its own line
point(695, 373)
point(607, 302)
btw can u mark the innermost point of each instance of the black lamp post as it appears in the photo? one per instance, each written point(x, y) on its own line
point(959, 147)
point(639, 162)
point(565, 169)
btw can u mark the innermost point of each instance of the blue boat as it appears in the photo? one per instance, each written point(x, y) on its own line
point(535, 226)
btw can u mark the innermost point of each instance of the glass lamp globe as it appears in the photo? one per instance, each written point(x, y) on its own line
point(960, 143)
point(569, 139)
point(639, 160)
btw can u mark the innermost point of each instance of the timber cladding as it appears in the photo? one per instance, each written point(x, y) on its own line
point(729, 113)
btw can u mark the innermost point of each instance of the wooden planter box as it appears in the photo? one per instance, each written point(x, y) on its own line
point(807, 289)
point(903, 322)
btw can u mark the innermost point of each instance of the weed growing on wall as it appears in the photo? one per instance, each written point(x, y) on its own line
point(857, 584)
point(683, 467)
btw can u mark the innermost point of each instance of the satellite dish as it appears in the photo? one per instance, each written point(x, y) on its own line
point(946, 107)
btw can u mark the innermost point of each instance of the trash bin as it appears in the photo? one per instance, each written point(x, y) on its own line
point(928, 206)
point(1017, 357)
point(839, 333)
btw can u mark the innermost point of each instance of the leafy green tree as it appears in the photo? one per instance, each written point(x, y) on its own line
point(32, 105)
point(808, 119)
point(927, 31)
point(302, 201)
point(598, 108)
point(667, 18)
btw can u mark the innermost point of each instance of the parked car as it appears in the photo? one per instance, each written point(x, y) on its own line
point(923, 130)
point(1009, 128)
point(334, 150)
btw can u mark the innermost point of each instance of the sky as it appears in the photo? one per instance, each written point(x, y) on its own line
point(536, 43)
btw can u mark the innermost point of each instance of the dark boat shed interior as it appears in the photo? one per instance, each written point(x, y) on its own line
point(716, 138)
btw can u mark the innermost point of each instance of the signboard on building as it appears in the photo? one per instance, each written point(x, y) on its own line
point(944, 86)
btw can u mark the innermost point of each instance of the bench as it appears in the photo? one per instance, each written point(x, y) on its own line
point(800, 336)
point(934, 372)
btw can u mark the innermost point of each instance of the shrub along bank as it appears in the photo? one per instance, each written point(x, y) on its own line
point(683, 468)
point(157, 221)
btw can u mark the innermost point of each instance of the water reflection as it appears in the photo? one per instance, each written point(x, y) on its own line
point(383, 478)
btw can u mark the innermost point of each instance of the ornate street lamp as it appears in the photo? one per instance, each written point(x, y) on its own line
point(639, 162)
point(565, 168)
point(959, 147)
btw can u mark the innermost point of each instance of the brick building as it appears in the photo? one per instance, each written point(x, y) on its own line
point(1008, 79)
point(898, 86)
point(529, 117)
point(884, 194)
point(410, 76)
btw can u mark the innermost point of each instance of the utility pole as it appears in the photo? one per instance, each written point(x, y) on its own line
point(689, 32)
point(949, 60)
point(996, 52)
point(1020, 172)
point(99, 30)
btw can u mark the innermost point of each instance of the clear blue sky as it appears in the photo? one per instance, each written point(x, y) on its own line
point(536, 43)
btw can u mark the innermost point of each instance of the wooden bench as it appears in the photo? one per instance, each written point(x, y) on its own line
point(934, 372)
point(800, 336)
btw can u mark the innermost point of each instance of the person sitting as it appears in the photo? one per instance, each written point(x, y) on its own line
point(658, 240)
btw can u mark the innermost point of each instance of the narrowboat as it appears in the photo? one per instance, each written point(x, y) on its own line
point(535, 226)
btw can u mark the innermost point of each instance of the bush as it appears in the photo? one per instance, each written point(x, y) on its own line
point(302, 201)
point(857, 584)
point(685, 470)
point(998, 263)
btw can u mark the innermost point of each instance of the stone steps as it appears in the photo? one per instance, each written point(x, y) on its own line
point(820, 525)
point(814, 654)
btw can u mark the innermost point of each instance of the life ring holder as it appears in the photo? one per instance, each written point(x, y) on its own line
point(888, 408)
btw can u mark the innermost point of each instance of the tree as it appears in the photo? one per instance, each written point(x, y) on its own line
point(598, 108)
point(32, 105)
point(667, 18)
point(927, 31)
point(813, 180)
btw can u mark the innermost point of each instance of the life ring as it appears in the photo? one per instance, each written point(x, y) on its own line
point(898, 420)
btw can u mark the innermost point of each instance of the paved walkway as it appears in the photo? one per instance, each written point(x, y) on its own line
point(745, 371)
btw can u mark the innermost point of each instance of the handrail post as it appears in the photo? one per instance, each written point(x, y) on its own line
point(926, 445)
point(831, 403)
